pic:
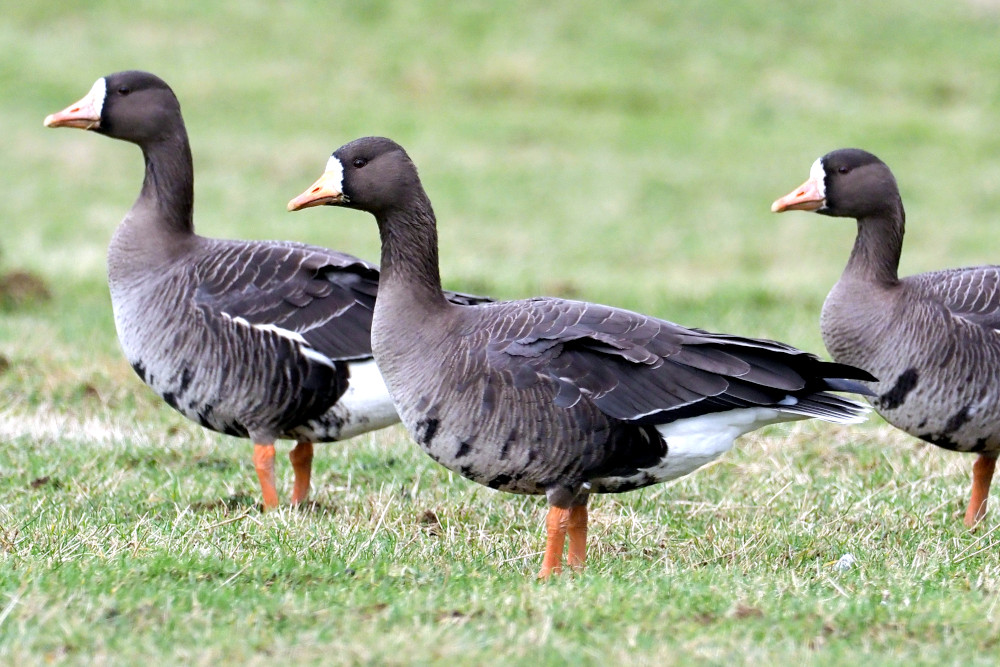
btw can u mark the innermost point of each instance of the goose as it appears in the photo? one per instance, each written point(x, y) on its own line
point(261, 340)
point(932, 339)
point(555, 397)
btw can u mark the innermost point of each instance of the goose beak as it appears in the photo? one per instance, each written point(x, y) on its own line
point(85, 114)
point(807, 197)
point(324, 192)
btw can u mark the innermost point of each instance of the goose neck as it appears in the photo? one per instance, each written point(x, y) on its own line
point(168, 186)
point(877, 248)
point(410, 253)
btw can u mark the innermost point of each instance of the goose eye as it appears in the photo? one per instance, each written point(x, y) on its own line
point(124, 90)
point(843, 170)
point(359, 162)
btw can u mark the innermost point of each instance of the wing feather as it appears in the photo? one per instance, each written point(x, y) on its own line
point(326, 297)
point(971, 294)
point(638, 368)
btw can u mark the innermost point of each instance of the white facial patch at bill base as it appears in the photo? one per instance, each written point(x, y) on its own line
point(817, 174)
point(95, 98)
point(334, 174)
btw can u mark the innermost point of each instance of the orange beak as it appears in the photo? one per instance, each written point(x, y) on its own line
point(85, 114)
point(325, 191)
point(807, 197)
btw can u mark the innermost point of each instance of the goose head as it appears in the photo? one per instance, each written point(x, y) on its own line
point(370, 174)
point(848, 183)
point(134, 106)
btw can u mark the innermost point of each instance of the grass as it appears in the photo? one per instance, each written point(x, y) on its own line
point(623, 156)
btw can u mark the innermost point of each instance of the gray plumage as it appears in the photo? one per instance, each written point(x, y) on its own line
point(264, 339)
point(249, 339)
point(547, 395)
point(551, 396)
point(932, 339)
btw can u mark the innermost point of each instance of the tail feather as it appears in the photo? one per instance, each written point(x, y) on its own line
point(851, 386)
point(829, 408)
point(833, 370)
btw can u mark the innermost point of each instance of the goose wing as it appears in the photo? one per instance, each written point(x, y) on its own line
point(638, 368)
point(316, 296)
point(971, 294)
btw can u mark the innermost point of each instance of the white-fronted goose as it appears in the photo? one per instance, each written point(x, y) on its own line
point(556, 397)
point(264, 340)
point(932, 339)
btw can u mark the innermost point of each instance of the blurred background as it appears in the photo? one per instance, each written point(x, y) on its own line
point(624, 155)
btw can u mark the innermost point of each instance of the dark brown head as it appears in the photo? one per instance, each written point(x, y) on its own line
point(849, 183)
point(134, 106)
point(371, 174)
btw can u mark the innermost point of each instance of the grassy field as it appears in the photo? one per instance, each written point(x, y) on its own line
point(622, 155)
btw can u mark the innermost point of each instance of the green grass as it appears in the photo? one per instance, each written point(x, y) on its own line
point(621, 155)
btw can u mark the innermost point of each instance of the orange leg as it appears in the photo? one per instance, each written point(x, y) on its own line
point(982, 475)
point(263, 461)
point(301, 457)
point(555, 528)
point(577, 529)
